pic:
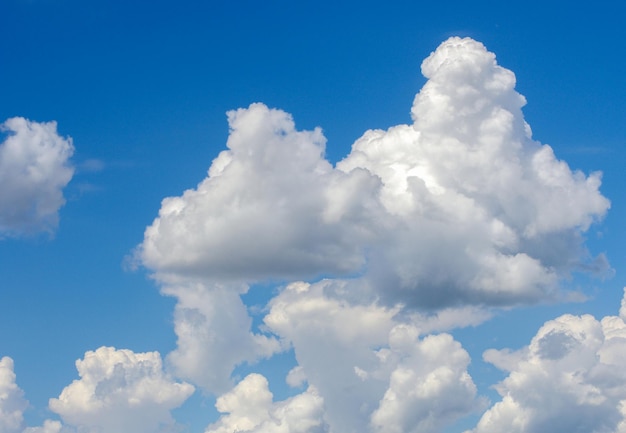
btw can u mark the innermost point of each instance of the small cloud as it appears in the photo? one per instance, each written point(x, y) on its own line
point(249, 407)
point(12, 402)
point(120, 391)
point(569, 378)
point(34, 169)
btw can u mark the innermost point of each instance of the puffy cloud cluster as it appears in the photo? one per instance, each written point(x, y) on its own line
point(429, 385)
point(249, 408)
point(570, 377)
point(119, 391)
point(484, 214)
point(417, 230)
point(214, 335)
point(12, 402)
point(34, 169)
point(371, 367)
point(267, 209)
point(461, 207)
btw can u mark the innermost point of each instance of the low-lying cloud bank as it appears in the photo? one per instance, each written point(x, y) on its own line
point(365, 372)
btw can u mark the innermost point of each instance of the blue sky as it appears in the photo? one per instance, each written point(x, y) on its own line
point(143, 90)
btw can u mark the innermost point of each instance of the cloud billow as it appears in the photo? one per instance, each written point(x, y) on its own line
point(461, 207)
point(376, 370)
point(12, 401)
point(569, 378)
point(416, 230)
point(266, 210)
point(483, 214)
point(120, 391)
point(34, 169)
point(249, 407)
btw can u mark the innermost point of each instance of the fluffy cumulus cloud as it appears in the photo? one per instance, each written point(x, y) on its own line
point(119, 391)
point(483, 214)
point(34, 169)
point(248, 408)
point(462, 206)
point(263, 211)
point(420, 228)
point(429, 385)
point(373, 369)
point(12, 402)
point(570, 377)
point(333, 341)
point(214, 335)
point(49, 426)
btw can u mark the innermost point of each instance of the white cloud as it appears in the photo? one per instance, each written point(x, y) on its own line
point(120, 391)
point(570, 378)
point(372, 369)
point(262, 212)
point(12, 402)
point(421, 228)
point(248, 408)
point(214, 336)
point(335, 345)
point(450, 318)
point(461, 207)
point(296, 377)
point(484, 213)
point(34, 169)
point(49, 426)
point(429, 386)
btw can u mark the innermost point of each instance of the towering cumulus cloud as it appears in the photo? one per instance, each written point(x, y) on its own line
point(34, 169)
point(420, 228)
point(479, 212)
point(462, 206)
point(264, 211)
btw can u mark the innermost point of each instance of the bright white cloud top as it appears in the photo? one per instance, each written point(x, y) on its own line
point(34, 169)
point(462, 207)
point(570, 378)
point(120, 391)
point(420, 229)
point(372, 368)
point(12, 402)
point(249, 407)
